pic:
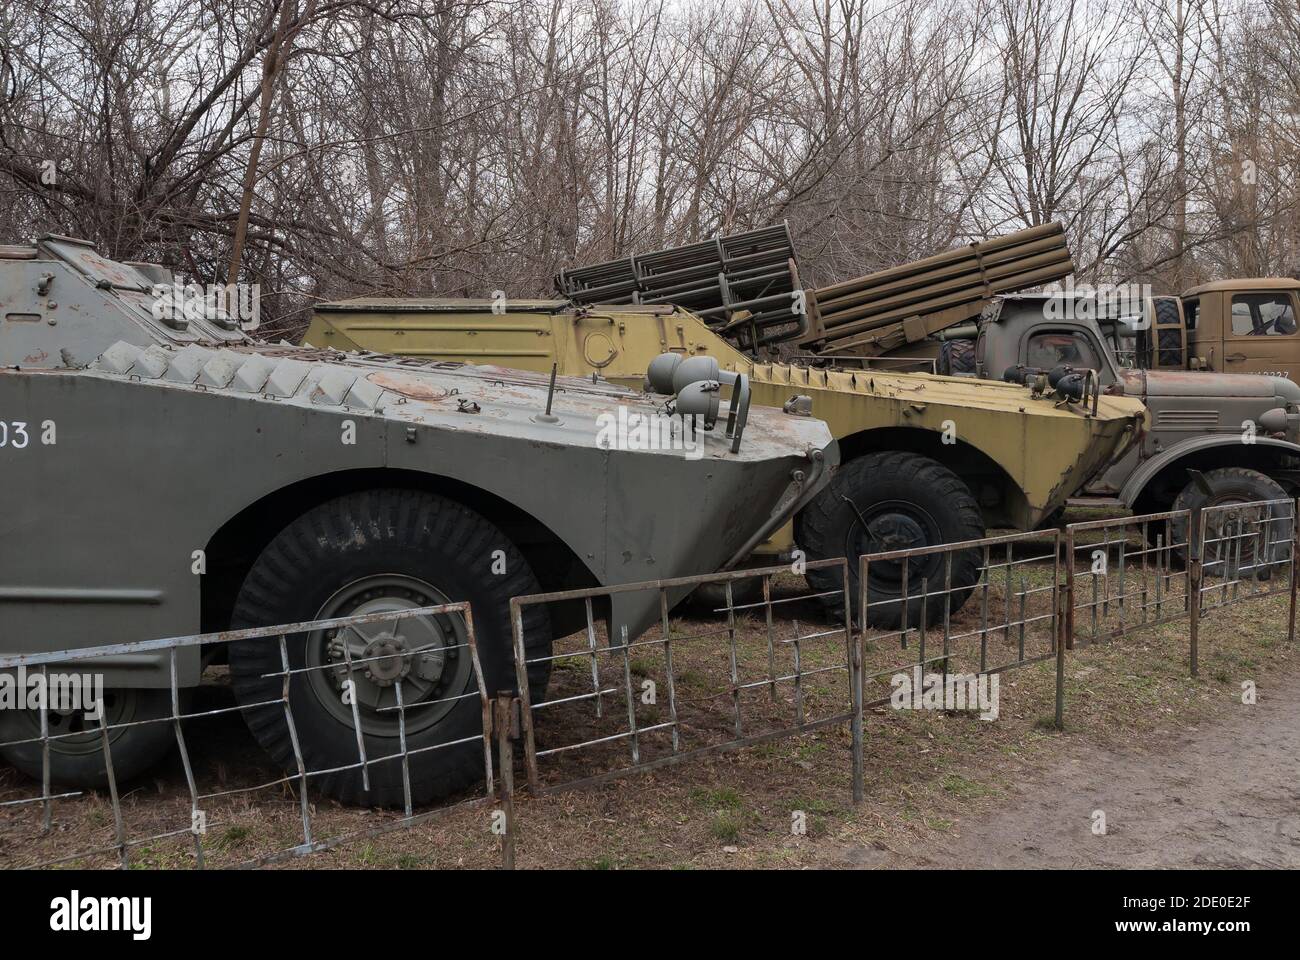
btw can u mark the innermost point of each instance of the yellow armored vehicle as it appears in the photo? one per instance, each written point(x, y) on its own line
point(925, 459)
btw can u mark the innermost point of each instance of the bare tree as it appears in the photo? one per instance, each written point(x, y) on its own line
point(455, 147)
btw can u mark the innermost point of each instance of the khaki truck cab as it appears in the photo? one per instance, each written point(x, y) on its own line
point(1244, 326)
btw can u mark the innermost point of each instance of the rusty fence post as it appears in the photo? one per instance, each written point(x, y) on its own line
point(119, 831)
point(1295, 546)
point(525, 702)
point(505, 721)
point(1064, 601)
point(853, 647)
point(1194, 573)
point(1067, 632)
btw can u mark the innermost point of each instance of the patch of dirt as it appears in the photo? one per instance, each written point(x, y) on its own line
point(1223, 794)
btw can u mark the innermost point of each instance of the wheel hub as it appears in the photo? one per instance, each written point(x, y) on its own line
point(386, 661)
point(76, 733)
point(893, 525)
point(895, 531)
point(1237, 537)
point(371, 659)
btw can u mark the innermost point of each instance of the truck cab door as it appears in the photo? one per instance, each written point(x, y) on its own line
point(1204, 347)
point(1260, 334)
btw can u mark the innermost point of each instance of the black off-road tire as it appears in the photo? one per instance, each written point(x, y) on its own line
point(1168, 344)
point(348, 540)
point(79, 761)
point(1232, 485)
point(886, 487)
point(957, 358)
point(710, 599)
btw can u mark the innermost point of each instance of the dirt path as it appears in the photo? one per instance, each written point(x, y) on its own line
point(1226, 794)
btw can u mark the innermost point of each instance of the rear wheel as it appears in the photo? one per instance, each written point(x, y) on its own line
point(372, 552)
point(710, 599)
point(894, 501)
point(1249, 540)
point(77, 744)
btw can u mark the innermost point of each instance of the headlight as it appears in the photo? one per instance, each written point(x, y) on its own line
point(696, 383)
point(1280, 420)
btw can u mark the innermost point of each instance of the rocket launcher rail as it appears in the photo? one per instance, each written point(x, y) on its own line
point(879, 312)
point(742, 284)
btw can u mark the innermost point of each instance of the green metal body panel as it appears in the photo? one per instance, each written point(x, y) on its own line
point(141, 444)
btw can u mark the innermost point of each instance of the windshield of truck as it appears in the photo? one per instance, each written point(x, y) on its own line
point(1053, 348)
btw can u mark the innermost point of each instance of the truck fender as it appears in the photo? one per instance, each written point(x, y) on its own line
point(1144, 474)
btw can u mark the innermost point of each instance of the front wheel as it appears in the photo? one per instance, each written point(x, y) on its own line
point(894, 501)
point(1250, 540)
point(374, 552)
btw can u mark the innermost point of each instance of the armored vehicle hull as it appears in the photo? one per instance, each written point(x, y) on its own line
point(172, 485)
point(927, 459)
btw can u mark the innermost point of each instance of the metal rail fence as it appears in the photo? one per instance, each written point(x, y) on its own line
point(1126, 574)
point(1034, 596)
point(1006, 592)
point(1130, 574)
point(773, 667)
point(759, 676)
point(197, 825)
point(778, 678)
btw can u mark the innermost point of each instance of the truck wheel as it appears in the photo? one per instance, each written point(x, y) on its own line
point(710, 599)
point(1223, 532)
point(77, 757)
point(370, 552)
point(905, 500)
point(957, 358)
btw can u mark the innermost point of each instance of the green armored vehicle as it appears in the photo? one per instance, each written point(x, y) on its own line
point(164, 474)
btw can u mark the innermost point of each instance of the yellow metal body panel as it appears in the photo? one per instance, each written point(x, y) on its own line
point(1023, 456)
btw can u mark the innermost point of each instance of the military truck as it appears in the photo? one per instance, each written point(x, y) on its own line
point(1213, 437)
point(1228, 326)
point(925, 459)
point(164, 474)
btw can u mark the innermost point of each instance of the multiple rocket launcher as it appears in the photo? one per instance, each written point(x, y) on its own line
point(746, 287)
